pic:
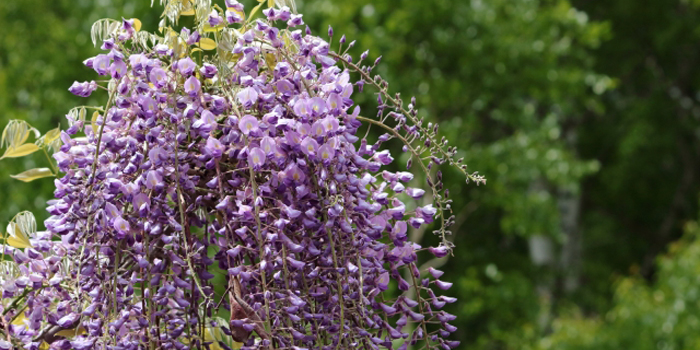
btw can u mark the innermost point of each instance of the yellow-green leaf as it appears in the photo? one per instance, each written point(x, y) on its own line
point(21, 151)
point(70, 333)
point(16, 133)
point(270, 3)
point(137, 24)
point(52, 135)
point(209, 29)
point(187, 8)
point(33, 174)
point(256, 9)
point(81, 113)
point(18, 243)
point(94, 122)
point(22, 139)
point(207, 44)
point(271, 60)
point(16, 237)
point(19, 319)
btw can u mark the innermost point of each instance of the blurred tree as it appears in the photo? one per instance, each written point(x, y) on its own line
point(648, 140)
point(509, 81)
point(662, 315)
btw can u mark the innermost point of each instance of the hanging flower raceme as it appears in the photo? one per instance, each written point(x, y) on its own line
point(221, 198)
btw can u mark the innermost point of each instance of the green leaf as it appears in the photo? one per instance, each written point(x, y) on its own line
point(207, 44)
point(256, 9)
point(50, 140)
point(137, 24)
point(16, 133)
point(33, 174)
point(52, 135)
point(18, 243)
point(21, 151)
point(19, 229)
point(95, 115)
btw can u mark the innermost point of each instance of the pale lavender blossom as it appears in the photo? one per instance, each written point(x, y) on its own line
point(248, 124)
point(248, 96)
point(309, 146)
point(186, 66)
point(233, 17)
point(101, 64)
point(117, 69)
point(214, 19)
point(158, 77)
point(256, 158)
point(208, 70)
point(83, 89)
point(192, 86)
point(213, 147)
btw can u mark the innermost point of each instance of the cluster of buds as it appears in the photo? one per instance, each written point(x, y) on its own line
point(222, 198)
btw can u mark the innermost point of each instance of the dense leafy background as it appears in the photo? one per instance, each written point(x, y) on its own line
point(587, 103)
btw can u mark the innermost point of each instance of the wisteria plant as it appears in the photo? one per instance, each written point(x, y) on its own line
point(223, 197)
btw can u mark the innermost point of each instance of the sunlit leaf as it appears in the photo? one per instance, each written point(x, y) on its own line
point(209, 29)
point(94, 121)
point(26, 222)
point(207, 44)
point(19, 229)
point(256, 9)
point(16, 133)
point(33, 174)
point(19, 320)
point(103, 29)
point(52, 135)
point(17, 243)
point(137, 24)
point(51, 139)
point(271, 60)
point(69, 333)
point(23, 150)
point(81, 113)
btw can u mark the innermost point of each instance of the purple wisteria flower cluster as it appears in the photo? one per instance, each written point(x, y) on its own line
point(229, 190)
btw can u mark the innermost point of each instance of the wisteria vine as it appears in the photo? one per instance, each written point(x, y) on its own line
point(222, 198)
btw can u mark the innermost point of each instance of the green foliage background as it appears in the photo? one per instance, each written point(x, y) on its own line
point(550, 99)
